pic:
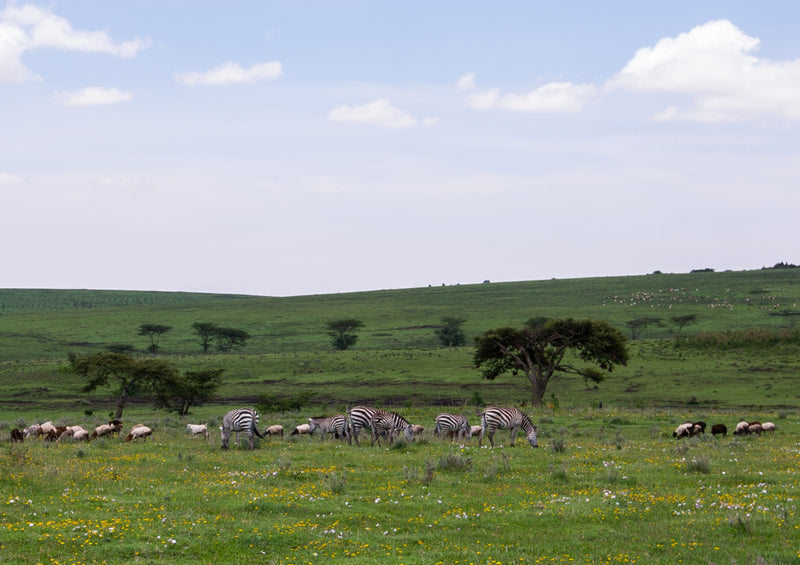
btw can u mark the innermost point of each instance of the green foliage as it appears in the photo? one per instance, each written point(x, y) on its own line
point(154, 332)
point(451, 333)
point(540, 352)
point(267, 403)
point(739, 339)
point(206, 332)
point(229, 339)
point(637, 326)
point(342, 332)
point(178, 393)
point(127, 375)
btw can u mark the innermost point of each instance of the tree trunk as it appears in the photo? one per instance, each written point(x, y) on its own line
point(121, 400)
point(538, 386)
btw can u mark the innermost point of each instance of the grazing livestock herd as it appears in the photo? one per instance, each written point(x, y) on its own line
point(690, 429)
point(381, 424)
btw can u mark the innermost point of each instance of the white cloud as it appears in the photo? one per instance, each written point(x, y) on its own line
point(27, 27)
point(714, 65)
point(8, 178)
point(232, 73)
point(553, 97)
point(94, 96)
point(381, 112)
point(466, 82)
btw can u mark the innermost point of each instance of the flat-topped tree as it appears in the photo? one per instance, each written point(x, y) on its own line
point(538, 351)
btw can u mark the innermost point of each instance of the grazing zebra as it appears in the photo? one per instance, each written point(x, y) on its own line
point(336, 425)
point(455, 425)
point(240, 420)
point(507, 419)
point(389, 422)
point(360, 417)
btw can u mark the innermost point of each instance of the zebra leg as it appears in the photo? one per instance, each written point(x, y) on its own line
point(513, 435)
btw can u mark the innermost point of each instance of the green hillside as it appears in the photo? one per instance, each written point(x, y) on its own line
point(397, 357)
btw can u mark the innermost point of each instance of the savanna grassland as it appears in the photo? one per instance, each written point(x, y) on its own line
point(608, 484)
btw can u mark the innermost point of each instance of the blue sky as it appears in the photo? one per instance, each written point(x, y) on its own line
point(288, 148)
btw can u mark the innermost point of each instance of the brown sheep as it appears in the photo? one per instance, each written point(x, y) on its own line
point(17, 435)
point(719, 429)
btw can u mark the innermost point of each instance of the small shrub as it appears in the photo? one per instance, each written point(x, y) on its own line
point(454, 462)
point(558, 473)
point(283, 463)
point(424, 476)
point(740, 525)
point(558, 445)
point(498, 468)
point(699, 464)
point(336, 482)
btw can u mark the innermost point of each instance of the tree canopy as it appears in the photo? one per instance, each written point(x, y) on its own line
point(179, 393)
point(342, 332)
point(539, 351)
point(450, 333)
point(154, 332)
point(127, 375)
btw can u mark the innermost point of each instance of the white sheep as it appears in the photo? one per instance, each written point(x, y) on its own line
point(32, 430)
point(71, 431)
point(755, 429)
point(276, 430)
point(475, 431)
point(197, 430)
point(417, 429)
point(102, 430)
point(768, 427)
point(139, 431)
point(684, 430)
point(302, 429)
point(46, 428)
point(741, 429)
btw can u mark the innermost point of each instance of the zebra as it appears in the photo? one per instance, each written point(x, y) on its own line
point(240, 420)
point(389, 422)
point(507, 418)
point(336, 425)
point(456, 425)
point(360, 417)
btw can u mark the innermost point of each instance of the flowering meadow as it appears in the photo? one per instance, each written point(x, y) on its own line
point(601, 488)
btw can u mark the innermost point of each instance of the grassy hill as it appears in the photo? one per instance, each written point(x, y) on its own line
point(397, 357)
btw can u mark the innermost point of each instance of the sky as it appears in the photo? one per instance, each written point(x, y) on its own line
point(284, 148)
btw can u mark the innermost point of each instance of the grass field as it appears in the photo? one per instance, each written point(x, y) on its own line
point(607, 485)
point(604, 487)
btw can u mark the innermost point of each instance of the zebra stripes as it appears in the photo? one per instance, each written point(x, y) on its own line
point(336, 425)
point(495, 417)
point(390, 422)
point(455, 425)
point(379, 422)
point(240, 420)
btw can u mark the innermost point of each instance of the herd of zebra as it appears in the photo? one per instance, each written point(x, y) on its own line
point(388, 425)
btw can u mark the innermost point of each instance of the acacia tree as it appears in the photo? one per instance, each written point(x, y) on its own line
point(194, 388)
point(154, 332)
point(450, 333)
point(206, 332)
point(638, 325)
point(341, 332)
point(127, 375)
point(230, 338)
point(681, 322)
point(539, 352)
